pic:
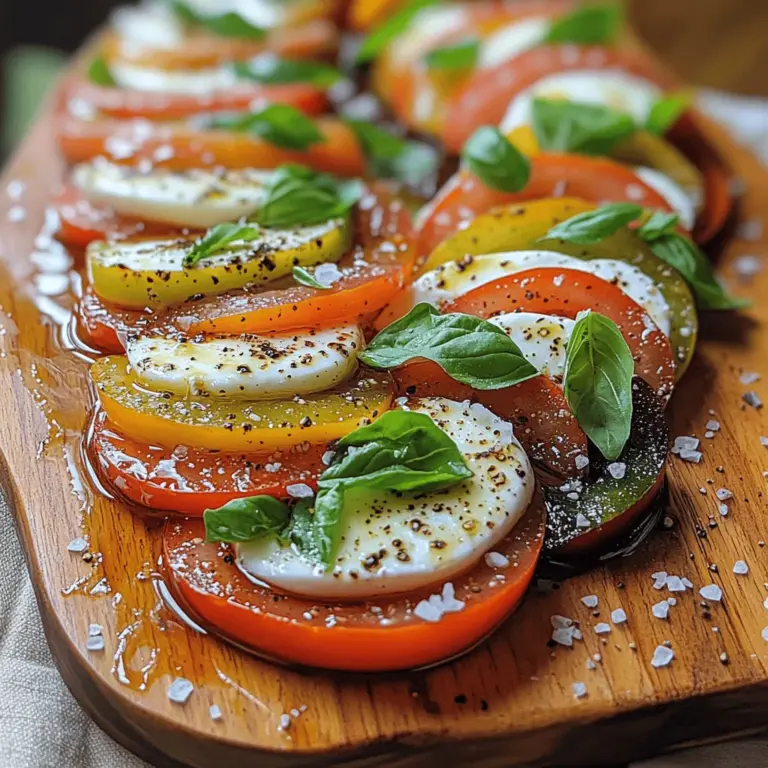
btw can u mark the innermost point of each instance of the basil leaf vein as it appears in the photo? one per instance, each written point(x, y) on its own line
point(694, 265)
point(298, 196)
point(596, 24)
point(247, 519)
point(594, 226)
point(459, 56)
point(470, 350)
point(496, 161)
point(280, 124)
point(219, 237)
point(273, 70)
point(598, 382)
point(387, 31)
point(391, 157)
point(589, 129)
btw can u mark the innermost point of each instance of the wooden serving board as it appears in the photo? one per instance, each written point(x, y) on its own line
point(510, 701)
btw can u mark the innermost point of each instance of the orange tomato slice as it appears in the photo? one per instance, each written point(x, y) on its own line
point(125, 104)
point(287, 628)
point(537, 408)
point(181, 147)
point(188, 480)
point(595, 179)
point(483, 99)
point(566, 292)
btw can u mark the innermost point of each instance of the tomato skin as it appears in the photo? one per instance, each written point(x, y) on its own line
point(564, 292)
point(272, 624)
point(104, 326)
point(537, 408)
point(484, 98)
point(595, 179)
point(187, 481)
point(131, 141)
point(82, 222)
point(126, 104)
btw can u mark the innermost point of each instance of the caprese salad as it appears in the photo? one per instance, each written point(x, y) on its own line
point(365, 413)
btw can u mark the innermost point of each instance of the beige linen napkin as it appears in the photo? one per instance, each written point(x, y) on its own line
point(41, 725)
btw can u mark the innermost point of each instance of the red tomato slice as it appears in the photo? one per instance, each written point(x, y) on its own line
point(82, 222)
point(188, 480)
point(688, 136)
point(125, 104)
point(371, 276)
point(180, 147)
point(209, 585)
point(538, 409)
point(566, 292)
point(314, 38)
point(484, 98)
point(104, 326)
point(595, 179)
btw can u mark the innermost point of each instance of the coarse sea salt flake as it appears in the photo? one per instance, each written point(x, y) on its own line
point(740, 568)
point(94, 630)
point(602, 628)
point(685, 442)
point(618, 616)
point(693, 456)
point(711, 592)
point(662, 656)
point(558, 622)
point(617, 470)
point(579, 690)
point(713, 426)
point(581, 520)
point(77, 545)
point(687, 582)
point(299, 491)
point(764, 441)
point(496, 560)
point(563, 636)
point(723, 494)
point(765, 634)
point(95, 643)
point(582, 462)
point(590, 601)
point(285, 722)
point(660, 610)
point(427, 611)
point(215, 712)
point(749, 377)
point(180, 690)
point(675, 584)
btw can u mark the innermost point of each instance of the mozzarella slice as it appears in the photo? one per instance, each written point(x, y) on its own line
point(685, 204)
point(453, 279)
point(248, 367)
point(402, 542)
point(194, 198)
point(512, 40)
point(265, 14)
point(541, 338)
point(608, 87)
point(147, 26)
point(197, 82)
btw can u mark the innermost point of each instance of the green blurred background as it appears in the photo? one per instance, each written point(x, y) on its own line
point(717, 43)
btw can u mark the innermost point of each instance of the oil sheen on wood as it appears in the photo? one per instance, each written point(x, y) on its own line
point(509, 702)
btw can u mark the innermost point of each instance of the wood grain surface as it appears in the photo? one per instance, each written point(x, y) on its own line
point(509, 702)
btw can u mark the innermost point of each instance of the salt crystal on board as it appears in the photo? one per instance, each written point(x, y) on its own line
point(740, 568)
point(285, 722)
point(563, 636)
point(713, 426)
point(675, 584)
point(602, 628)
point(765, 634)
point(180, 690)
point(590, 601)
point(77, 545)
point(659, 579)
point(95, 643)
point(660, 610)
point(693, 456)
point(618, 616)
point(94, 630)
point(558, 622)
point(579, 690)
point(685, 442)
point(215, 712)
point(662, 656)
point(711, 592)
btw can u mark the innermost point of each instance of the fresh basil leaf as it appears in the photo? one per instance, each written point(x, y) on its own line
point(589, 129)
point(273, 70)
point(247, 519)
point(594, 226)
point(401, 451)
point(597, 24)
point(666, 112)
point(458, 56)
point(468, 349)
point(304, 277)
point(391, 157)
point(658, 225)
point(279, 124)
point(682, 254)
point(598, 382)
point(99, 72)
point(387, 31)
point(298, 196)
point(228, 24)
point(496, 161)
point(219, 237)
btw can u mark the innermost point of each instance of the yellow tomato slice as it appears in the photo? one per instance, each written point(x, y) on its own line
point(143, 273)
point(168, 419)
